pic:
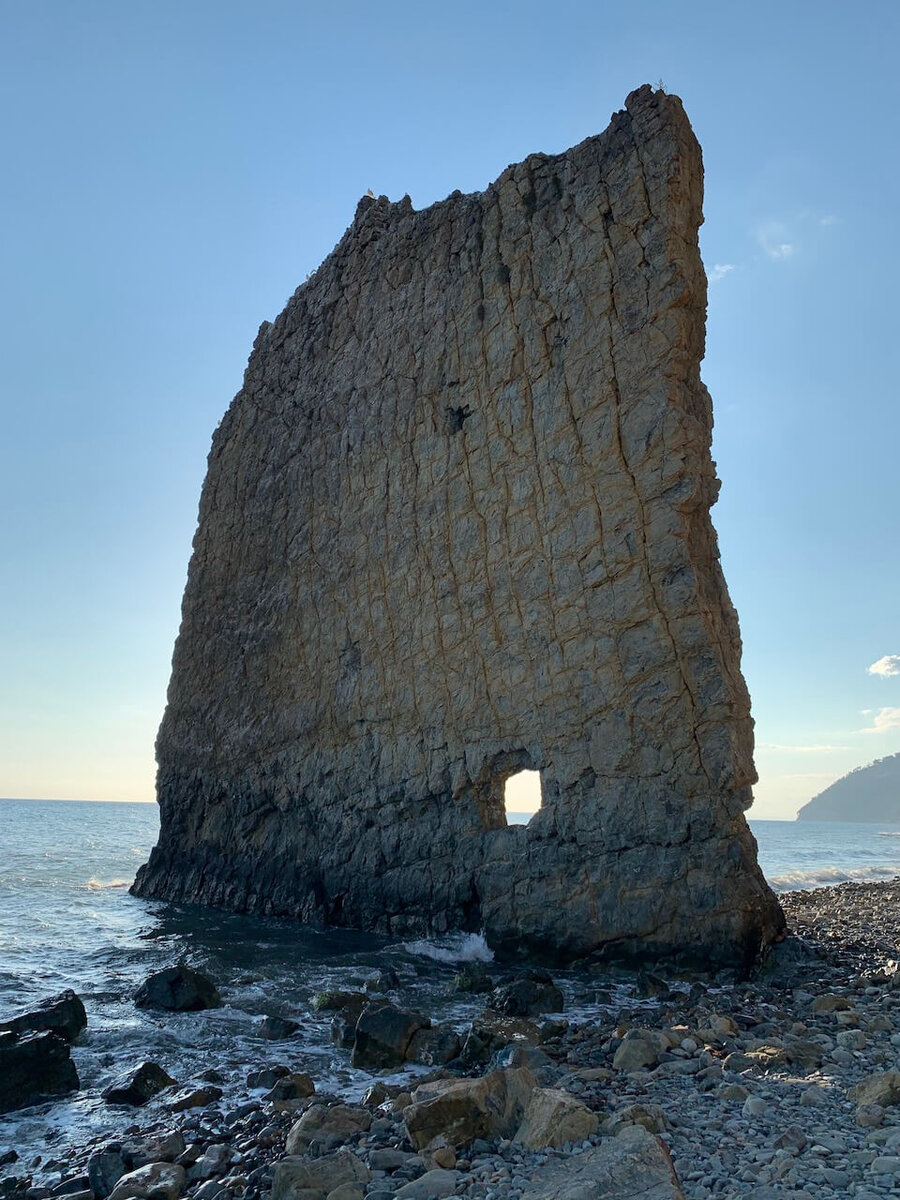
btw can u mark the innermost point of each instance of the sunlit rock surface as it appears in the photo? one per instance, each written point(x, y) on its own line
point(456, 524)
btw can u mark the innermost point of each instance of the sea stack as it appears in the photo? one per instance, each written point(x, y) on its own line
point(456, 524)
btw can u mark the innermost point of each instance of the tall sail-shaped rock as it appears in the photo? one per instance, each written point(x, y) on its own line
point(456, 523)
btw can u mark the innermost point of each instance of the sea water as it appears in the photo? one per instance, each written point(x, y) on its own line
point(67, 921)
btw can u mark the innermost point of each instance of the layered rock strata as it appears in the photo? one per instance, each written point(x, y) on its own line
point(456, 524)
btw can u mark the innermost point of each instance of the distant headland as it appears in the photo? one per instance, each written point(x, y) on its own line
point(870, 793)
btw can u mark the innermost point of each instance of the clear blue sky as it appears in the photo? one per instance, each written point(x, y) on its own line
point(172, 171)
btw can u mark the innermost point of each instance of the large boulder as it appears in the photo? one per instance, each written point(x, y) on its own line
point(276, 1029)
point(296, 1085)
point(433, 1047)
point(383, 1035)
point(639, 1048)
point(634, 1164)
point(433, 1185)
point(473, 977)
point(156, 1181)
point(463, 1109)
point(138, 1086)
point(552, 1118)
point(298, 1176)
point(142, 1151)
point(529, 996)
point(177, 989)
point(105, 1168)
point(33, 1068)
point(63, 1014)
point(323, 1127)
point(882, 1088)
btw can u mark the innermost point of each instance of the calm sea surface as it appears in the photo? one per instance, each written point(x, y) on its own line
point(66, 920)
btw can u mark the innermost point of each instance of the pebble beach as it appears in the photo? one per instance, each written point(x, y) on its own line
point(784, 1085)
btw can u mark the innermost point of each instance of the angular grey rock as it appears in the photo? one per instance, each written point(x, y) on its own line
point(383, 1035)
point(433, 1047)
point(323, 1127)
point(138, 1086)
point(552, 1118)
point(465, 1109)
point(276, 1029)
point(433, 1185)
point(297, 1174)
point(105, 1169)
point(456, 524)
point(296, 1085)
point(639, 1048)
point(199, 1097)
point(166, 1147)
point(267, 1077)
point(534, 993)
point(177, 989)
point(473, 977)
point(156, 1181)
point(634, 1164)
point(33, 1068)
point(63, 1014)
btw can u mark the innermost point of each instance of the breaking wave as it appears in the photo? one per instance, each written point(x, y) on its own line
point(100, 885)
point(460, 947)
point(793, 881)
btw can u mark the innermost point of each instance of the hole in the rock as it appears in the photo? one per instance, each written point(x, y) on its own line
point(522, 796)
point(457, 417)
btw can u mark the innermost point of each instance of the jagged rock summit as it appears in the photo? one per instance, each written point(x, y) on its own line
point(455, 524)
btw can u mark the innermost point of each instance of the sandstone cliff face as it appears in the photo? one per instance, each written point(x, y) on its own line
point(456, 523)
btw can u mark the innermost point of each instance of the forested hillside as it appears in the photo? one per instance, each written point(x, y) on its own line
point(869, 793)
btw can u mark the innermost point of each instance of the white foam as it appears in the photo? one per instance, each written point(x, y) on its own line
point(459, 947)
point(793, 881)
point(100, 885)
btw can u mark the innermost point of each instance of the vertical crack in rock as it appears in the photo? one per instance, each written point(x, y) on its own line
point(456, 524)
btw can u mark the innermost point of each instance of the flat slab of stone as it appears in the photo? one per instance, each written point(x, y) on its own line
point(634, 1164)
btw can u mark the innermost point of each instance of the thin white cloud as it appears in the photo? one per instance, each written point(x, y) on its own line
point(828, 219)
point(885, 720)
point(799, 749)
point(774, 240)
point(719, 271)
point(888, 664)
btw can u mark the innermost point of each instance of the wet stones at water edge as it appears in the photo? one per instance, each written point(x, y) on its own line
point(762, 1089)
point(177, 989)
point(455, 525)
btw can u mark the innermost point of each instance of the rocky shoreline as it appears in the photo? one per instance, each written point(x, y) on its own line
point(782, 1086)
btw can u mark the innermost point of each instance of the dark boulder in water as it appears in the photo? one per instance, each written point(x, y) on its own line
point(473, 977)
point(105, 1169)
point(177, 989)
point(275, 1029)
point(63, 1015)
point(33, 1068)
point(383, 1036)
point(534, 993)
point(139, 1086)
